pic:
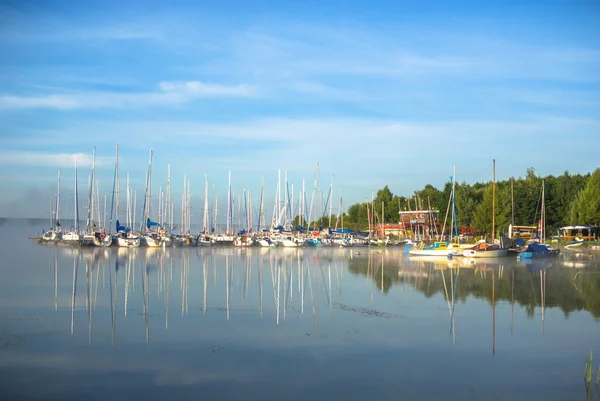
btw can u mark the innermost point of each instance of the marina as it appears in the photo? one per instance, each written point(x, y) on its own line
point(326, 322)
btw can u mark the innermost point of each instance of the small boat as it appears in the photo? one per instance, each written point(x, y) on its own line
point(71, 237)
point(243, 241)
point(204, 240)
point(437, 249)
point(574, 244)
point(50, 236)
point(538, 251)
point(485, 250)
point(153, 240)
point(264, 242)
point(223, 240)
point(127, 240)
point(291, 242)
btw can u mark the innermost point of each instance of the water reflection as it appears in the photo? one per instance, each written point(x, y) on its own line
point(234, 282)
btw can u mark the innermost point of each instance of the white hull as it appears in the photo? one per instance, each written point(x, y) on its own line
point(242, 242)
point(286, 243)
point(150, 242)
point(50, 236)
point(264, 243)
point(473, 253)
point(132, 242)
point(71, 237)
point(433, 252)
point(204, 242)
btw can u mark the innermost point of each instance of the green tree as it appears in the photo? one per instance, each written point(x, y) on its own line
point(586, 207)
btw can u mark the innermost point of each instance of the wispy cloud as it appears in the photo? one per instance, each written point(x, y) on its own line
point(46, 159)
point(169, 92)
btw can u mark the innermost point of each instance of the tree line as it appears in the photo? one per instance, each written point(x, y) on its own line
point(569, 199)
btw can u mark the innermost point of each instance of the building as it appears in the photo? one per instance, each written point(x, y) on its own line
point(420, 224)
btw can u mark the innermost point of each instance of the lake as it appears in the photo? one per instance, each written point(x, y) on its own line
point(292, 324)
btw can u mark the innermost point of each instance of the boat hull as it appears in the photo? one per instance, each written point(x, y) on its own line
point(433, 252)
point(474, 253)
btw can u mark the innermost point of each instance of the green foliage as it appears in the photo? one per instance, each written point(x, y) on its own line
point(585, 208)
point(569, 199)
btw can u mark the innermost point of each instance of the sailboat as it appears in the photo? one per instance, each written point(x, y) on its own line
point(483, 249)
point(541, 250)
point(125, 237)
point(54, 234)
point(72, 236)
point(441, 248)
point(94, 235)
point(151, 238)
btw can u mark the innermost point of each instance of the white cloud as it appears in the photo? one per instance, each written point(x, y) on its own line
point(200, 89)
point(170, 93)
point(43, 159)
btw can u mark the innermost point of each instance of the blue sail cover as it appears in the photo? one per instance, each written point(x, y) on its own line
point(121, 228)
point(344, 231)
point(537, 248)
point(151, 224)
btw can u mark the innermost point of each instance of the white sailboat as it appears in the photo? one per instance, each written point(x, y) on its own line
point(485, 250)
point(72, 236)
point(94, 235)
point(151, 238)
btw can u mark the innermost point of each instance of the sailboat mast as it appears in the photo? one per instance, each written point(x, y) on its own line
point(51, 214)
point(229, 211)
point(543, 216)
point(114, 194)
point(116, 185)
point(493, 199)
point(91, 193)
point(330, 196)
point(205, 217)
point(57, 224)
point(76, 201)
point(168, 217)
point(512, 202)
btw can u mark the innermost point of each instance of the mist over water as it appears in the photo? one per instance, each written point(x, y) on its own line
point(311, 323)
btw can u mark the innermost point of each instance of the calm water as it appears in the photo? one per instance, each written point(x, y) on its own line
point(319, 324)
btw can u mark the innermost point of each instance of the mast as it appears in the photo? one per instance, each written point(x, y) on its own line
point(169, 213)
point(330, 203)
point(183, 205)
point(57, 224)
point(205, 217)
point(51, 214)
point(229, 211)
point(90, 215)
point(543, 216)
point(512, 202)
point(493, 199)
point(115, 191)
point(146, 210)
point(117, 184)
point(76, 201)
point(261, 209)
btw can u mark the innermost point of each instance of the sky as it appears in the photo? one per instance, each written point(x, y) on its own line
point(377, 93)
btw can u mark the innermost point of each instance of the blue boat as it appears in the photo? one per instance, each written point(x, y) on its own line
point(538, 251)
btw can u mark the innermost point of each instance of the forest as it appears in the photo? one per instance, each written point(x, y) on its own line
point(569, 199)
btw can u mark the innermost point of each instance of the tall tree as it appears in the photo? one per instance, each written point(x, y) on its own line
point(586, 207)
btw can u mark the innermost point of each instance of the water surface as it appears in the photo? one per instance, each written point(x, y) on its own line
point(312, 323)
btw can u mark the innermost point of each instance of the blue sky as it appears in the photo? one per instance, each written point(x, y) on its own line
point(375, 92)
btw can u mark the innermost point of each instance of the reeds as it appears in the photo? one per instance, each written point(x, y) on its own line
point(589, 371)
point(589, 368)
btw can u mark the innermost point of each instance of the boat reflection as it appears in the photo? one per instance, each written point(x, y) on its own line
point(231, 282)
